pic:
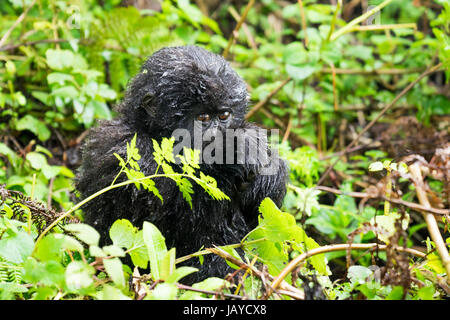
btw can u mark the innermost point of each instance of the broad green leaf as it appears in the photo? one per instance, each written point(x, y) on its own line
point(359, 274)
point(84, 232)
point(122, 233)
point(168, 264)
point(15, 247)
point(60, 78)
point(209, 284)
point(156, 247)
point(47, 273)
point(138, 251)
point(164, 291)
point(66, 92)
point(59, 59)
point(79, 275)
point(114, 251)
point(114, 269)
point(34, 125)
point(300, 73)
point(180, 273)
point(281, 231)
point(110, 293)
point(36, 160)
point(96, 251)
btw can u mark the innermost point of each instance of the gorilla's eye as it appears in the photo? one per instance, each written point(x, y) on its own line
point(203, 117)
point(224, 115)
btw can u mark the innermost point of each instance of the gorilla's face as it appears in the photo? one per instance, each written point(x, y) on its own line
point(184, 87)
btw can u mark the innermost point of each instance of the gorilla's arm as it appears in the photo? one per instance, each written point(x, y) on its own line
point(266, 178)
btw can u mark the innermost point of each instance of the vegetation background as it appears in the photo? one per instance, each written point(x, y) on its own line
point(359, 90)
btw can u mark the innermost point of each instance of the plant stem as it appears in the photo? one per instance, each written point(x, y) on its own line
point(432, 225)
point(336, 247)
point(111, 187)
point(238, 26)
point(348, 27)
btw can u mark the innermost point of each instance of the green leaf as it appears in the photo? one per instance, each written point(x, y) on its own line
point(122, 233)
point(32, 124)
point(52, 246)
point(66, 92)
point(376, 166)
point(59, 59)
point(180, 273)
point(36, 160)
point(78, 275)
point(281, 230)
point(209, 284)
point(111, 293)
point(60, 78)
point(114, 269)
point(114, 251)
point(164, 291)
point(300, 73)
point(84, 232)
point(156, 247)
point(396, 293)
point(47, 273)
point(168, 264)
point(96, 251)
point(15, 247)
point(359, 274)
point(139, 255)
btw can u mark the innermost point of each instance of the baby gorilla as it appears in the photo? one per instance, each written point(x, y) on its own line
point(182, 88)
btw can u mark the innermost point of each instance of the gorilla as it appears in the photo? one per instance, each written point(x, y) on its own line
point(184, 87)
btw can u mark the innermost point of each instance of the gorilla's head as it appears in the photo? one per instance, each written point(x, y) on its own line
point(179, 85)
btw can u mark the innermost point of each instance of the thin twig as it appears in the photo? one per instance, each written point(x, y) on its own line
point(304, 26)
point(238, 26)
point(430, 219)
point(228, 295)
point(31, 43)
point(384, 27)
point(336, 247)
point(290, 291)
point(257, 106)
point(16, 23)
point(408, 204)
point(373, 72)
point(247, 32)
point(358, 20)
